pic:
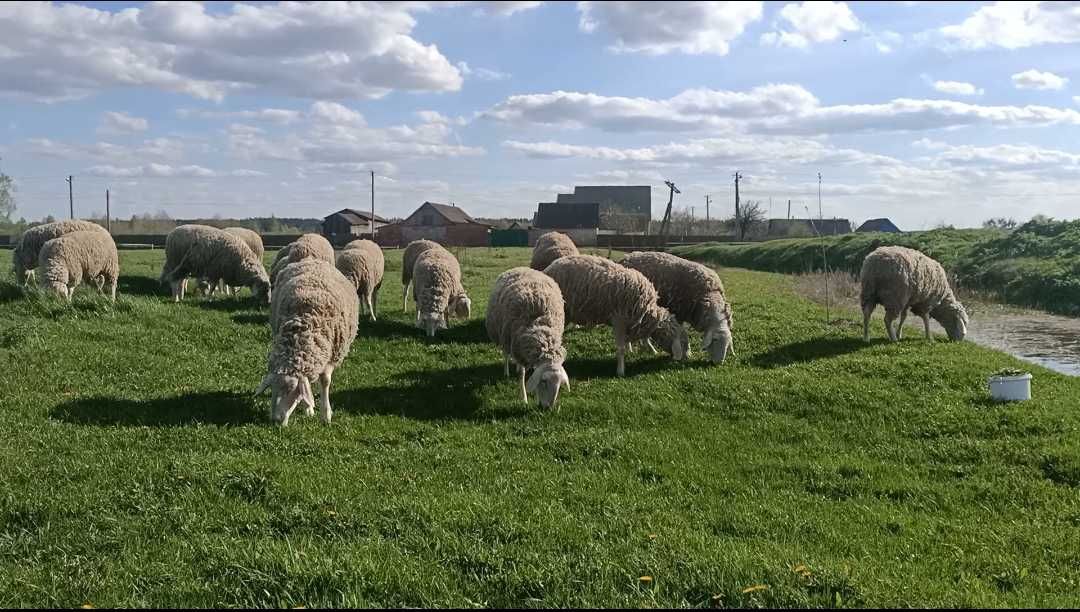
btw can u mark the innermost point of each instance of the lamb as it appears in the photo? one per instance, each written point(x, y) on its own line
point(903, 279)
point(25, 256)
point(693, 293)
point(308, 245)
point(413, 251)
point(207, 252)
point(599, 291)
point(437, 290)
point(76, 257)
point(313, 318)
point(362, 263)
point(525, 318)
point(550, 247)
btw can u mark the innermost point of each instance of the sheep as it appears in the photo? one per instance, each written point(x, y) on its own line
point(76, 257)
point(207, 252)
point(693, 293)
point(525, 319)
point(28, 245)
point(599, 291)
point(313, 319)
point(903, 279)
point(550, 247)
point(308, 245)
point(253, 241)
point(437, 290)
point(413, 251)
point(362, 263)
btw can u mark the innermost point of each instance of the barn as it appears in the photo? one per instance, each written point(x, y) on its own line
point(347, 224)
point(446, 224)
point(879, 225)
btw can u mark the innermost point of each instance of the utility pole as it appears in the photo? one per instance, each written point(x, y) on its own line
point(667, 214)
point(71, 196)
point(819, 197)
point(789, 210)
point(108, 213)
point(737, 215)
point(706, 208)
point(371, 225)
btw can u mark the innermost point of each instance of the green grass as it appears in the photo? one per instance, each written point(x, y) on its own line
point(136, 470)
point(1037, 265)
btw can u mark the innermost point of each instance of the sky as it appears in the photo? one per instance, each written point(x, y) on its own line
point(927, 113)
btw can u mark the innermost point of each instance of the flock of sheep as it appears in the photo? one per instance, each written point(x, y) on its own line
point(315, 297)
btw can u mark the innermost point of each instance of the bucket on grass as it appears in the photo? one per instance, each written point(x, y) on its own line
point(1010, 386)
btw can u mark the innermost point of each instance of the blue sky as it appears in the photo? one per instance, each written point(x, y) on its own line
point(924, 112)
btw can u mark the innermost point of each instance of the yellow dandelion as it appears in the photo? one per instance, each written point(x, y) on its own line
point(755, 588)
point(646, 579)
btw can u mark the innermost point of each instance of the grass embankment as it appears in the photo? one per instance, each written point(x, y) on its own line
point(1037, 265)
point(812, 470)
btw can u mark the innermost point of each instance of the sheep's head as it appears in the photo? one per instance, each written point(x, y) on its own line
point(672, 336)
point(431, 322)
point(261, 290)
point(952, 316)
point(205, 287)
point(546, 381)
point(460, 306)
point(717, 339)
point(286, 392)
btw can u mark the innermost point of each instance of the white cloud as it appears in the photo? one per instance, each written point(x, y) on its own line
point(122, 123)
point(657, 28)
point(273, 115)
point(333, 112)
point(327, 50)
point(958, 88)
point(813, 22)
point(1034, 79)
point(1014, 25)
point(157, 148)
point(166, 171)
point(887, 41)
point(505, 8)
point(483, 74)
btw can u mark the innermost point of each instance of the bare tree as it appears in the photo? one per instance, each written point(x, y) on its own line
point(1000, 223)
point(751, 217)
point(7, 198)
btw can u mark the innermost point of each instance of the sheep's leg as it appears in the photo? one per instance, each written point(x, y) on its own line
point(370, 307)
point(324, 379)
point(867, 310)
point(375, 300)
point(112, 288)
point(890, 319)
point(620, 351)
point(405, 297)
point(648, 342)
point(524, 393)
point(177, 290)
point(900, 327)
point(506, 365)
point(926, 325)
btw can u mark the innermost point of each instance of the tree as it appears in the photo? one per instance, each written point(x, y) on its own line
point(1000, 223)
point(751, 216)
point(7, 197)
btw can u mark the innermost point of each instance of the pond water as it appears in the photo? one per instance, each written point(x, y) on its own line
point(1048, 340)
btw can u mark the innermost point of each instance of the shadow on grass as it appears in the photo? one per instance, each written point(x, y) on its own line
point(467, 332)
point(439, 395)
point(225, 304)
point(215, 408)
point(141, 285)
point(251, 318)
point(604, 367)
point(808, 350)
point(10, 292)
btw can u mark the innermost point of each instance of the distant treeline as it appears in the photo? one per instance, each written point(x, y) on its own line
point(162, 224)
point(1037, 264)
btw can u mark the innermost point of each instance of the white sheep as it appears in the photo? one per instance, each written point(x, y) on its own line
point(525, 319)
point(76, 257)
point(25, 255)
point(549, 247)
point(413, 251)
point(254, 242)
point(903, 279)
point(598, 291)
point(362, 262)
point(313, 319)
point(437, 290)
point(693, 293)
point(207, 252)
point(308, 245)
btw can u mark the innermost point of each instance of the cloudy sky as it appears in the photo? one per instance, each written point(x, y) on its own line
point(924, 112)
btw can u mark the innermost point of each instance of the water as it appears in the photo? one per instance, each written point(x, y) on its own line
point(1048, 340)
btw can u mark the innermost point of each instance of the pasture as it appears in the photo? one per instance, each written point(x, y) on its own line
point(810, 470)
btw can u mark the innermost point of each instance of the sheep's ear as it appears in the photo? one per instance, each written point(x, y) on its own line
point(565, 378)
point(707, 340)
point(264, 385)
point(534, 380)
point(305, 392)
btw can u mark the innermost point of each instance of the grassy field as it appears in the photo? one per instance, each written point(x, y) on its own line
point(1037, 265)
point(812, 470)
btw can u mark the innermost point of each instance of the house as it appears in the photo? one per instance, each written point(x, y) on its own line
point(879, 225)
point(624, 208)
point(446, 224)
point(347, 224)
point(807, 228)
point(580, 221)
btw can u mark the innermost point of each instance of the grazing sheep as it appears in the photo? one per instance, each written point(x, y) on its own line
point(437, 290)
point(550, 247)
point(25, 256)
point(693, 293)
point(903, 279)
point(413, 251)
point(77, 257)
point(308, 245)
point(525, 318)
point(207, 252)
point(599, 291)
point(251, 238)
point(313, 318)
point(362, 263)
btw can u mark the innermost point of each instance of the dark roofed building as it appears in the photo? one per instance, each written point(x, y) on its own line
point(347, 222)
point(552, 215)
point(622, 207)
point(448, 225)
point(805, 228)
point(879, 225)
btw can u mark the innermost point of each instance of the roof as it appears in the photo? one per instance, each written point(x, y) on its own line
point(553, 215)
point(635, 199)
point(453, 214)
point(878, 225)
point(356, 217)
point(808, 227)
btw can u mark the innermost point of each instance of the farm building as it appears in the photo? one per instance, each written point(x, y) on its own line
point(805, 228)
point(580, 221)
point(879, 225)
point(624, 208)
point(448, 225)
point(347, 223)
